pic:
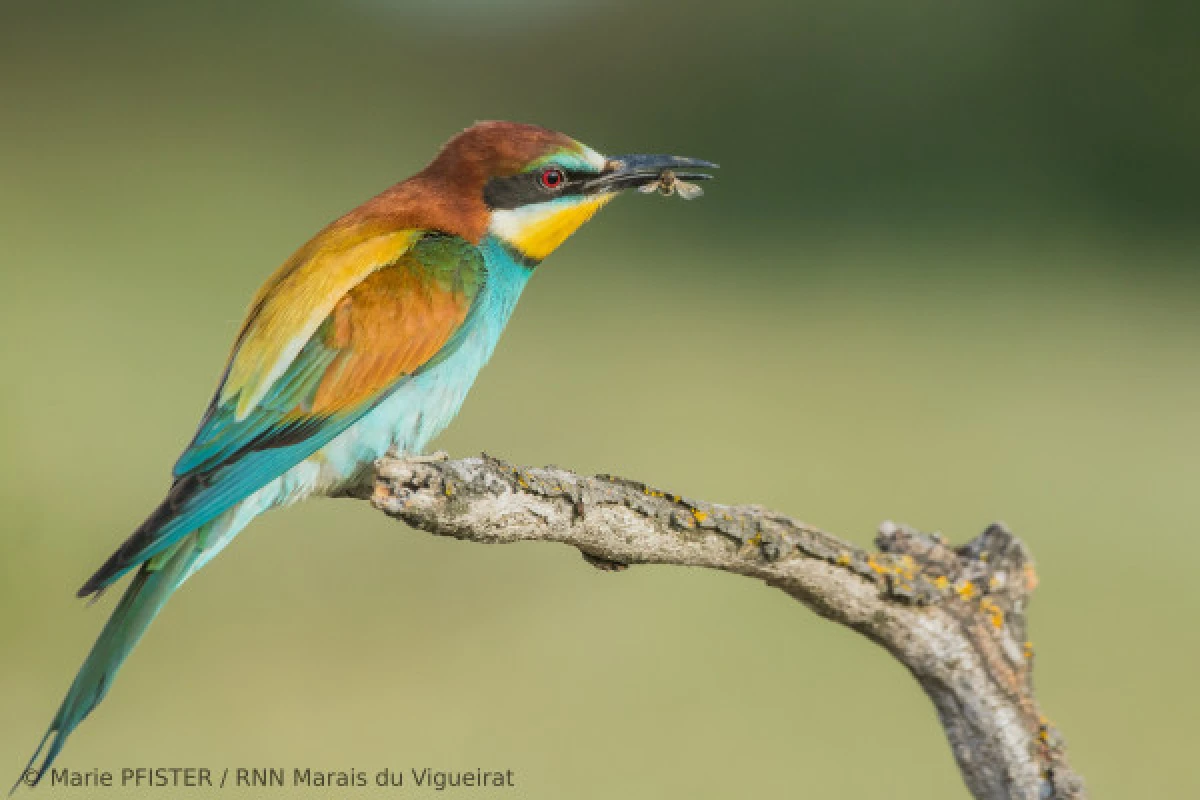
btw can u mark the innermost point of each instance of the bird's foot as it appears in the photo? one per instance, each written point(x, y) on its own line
point(603, 564)
point(418, 458)
point(401, 475)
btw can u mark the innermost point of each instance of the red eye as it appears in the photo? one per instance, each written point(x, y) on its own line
point(553, 179)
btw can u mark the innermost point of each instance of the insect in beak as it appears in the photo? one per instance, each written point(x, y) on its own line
point(668, 184)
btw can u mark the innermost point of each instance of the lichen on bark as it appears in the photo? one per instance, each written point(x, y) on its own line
point(954, 616)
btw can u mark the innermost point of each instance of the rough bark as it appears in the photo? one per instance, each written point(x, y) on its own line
point(954, 616)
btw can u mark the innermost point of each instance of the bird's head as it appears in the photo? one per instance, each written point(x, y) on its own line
point(531, 188)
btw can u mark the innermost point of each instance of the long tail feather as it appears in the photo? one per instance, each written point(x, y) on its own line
point(145, 597)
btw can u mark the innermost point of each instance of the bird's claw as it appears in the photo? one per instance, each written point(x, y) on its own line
point(418, 458)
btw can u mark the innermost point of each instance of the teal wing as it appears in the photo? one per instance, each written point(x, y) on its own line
point(397, 321)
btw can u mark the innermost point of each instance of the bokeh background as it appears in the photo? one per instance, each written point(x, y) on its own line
point(948, 275)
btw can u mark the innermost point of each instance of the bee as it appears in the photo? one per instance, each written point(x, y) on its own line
point(668, 184)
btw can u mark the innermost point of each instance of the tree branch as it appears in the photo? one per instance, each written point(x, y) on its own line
point(955, 617)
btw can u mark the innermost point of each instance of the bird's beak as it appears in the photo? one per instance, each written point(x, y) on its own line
point(636, 171)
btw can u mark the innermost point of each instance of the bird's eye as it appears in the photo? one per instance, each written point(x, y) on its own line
point(552, 179)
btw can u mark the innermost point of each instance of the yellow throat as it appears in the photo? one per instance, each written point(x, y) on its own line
point(537, 231)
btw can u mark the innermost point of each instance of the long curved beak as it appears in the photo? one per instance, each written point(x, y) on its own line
point(636, 171)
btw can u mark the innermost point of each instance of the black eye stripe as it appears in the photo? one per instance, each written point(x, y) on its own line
point(515, 191)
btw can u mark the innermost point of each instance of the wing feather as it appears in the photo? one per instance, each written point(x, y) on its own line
point(390, 324)
point(297, 299)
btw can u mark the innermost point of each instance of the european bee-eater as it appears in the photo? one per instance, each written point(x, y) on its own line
point(365, 341)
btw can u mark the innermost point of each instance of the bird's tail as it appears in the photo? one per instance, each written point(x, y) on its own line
point(154, 583)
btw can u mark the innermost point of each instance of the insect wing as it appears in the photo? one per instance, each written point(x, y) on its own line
point(688, 191)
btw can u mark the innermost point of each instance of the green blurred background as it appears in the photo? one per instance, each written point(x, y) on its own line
point(947, 275)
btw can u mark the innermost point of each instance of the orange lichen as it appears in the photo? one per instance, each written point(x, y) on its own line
point(994, 612)
point(1031, 578)
point(699, 515)
point(843, 559)
point(966, 590)
point(879, 569)
point(1028, 650)
point(941, 582)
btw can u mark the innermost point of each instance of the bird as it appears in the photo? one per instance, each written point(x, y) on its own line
point(364, 342)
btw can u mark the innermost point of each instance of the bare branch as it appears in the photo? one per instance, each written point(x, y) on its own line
point(955, 617)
